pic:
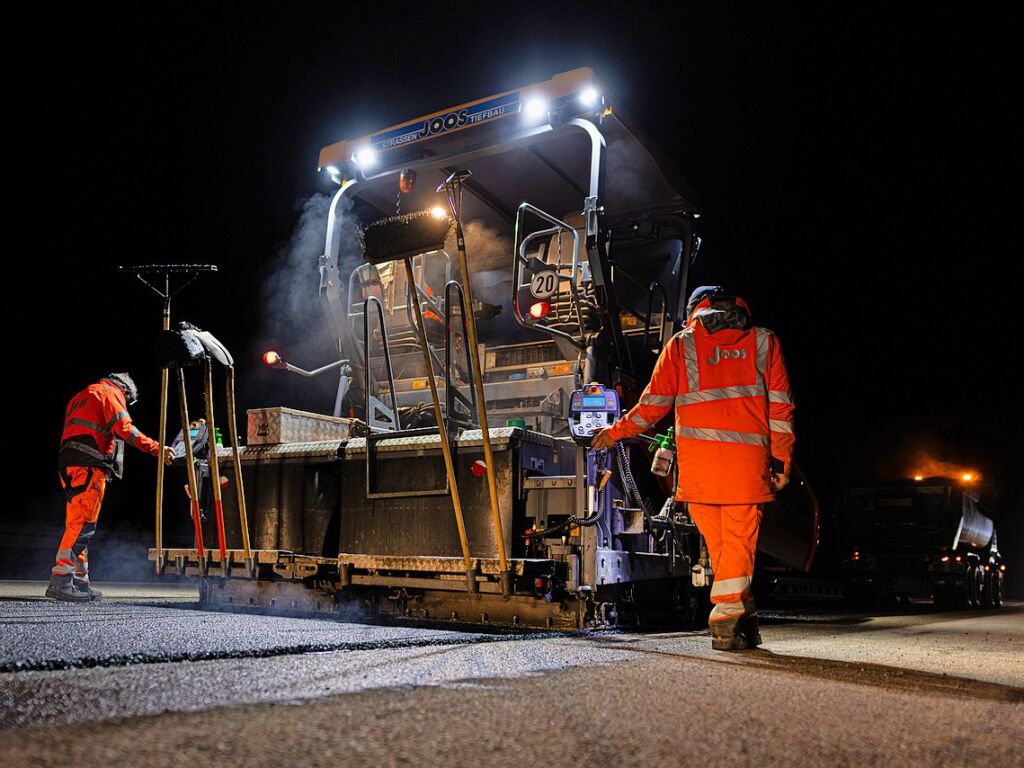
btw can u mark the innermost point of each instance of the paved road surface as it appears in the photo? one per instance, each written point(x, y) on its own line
point(144, 678)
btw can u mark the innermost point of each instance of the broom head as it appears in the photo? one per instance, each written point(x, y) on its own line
point(405, 236)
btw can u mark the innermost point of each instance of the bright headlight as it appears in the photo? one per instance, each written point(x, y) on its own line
point(366, 157)
point(589, 96)
point(536, 107)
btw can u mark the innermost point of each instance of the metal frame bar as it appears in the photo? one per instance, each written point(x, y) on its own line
point(519, 260)
point(451, 392)
point(370, 420)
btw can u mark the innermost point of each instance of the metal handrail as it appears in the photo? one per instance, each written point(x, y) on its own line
point(520, 259)
point(395, 420)
point(434, 305)
point(352, 316)
point(450, 391)
point(650, 312)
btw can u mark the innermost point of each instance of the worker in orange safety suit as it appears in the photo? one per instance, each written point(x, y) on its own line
point(727, 382)
point(96, 426)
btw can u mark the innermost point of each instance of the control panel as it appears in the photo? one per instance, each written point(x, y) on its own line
point(198, 434)
point(592, 408)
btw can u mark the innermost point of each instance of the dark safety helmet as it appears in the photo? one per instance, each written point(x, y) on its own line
point(127, 385)
point(711, 292)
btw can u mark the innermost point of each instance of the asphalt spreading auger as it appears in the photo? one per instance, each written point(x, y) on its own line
point(479, 305)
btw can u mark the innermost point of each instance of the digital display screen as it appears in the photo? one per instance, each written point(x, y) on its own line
point(593, 401)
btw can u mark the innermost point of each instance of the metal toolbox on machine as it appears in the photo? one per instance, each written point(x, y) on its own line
point(272, 426)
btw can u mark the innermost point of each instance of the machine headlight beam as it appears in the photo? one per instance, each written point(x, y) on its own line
point(365, 157)
point(589, 96)
point(536, 108)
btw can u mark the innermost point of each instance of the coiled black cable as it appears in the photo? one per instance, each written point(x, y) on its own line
point(584, 522)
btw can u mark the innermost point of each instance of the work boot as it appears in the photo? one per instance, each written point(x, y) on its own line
point(83, 586)
point(735, 634)
point(748, 627)
point(67, 593)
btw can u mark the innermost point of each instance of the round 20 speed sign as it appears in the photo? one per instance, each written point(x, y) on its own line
point(544, 284)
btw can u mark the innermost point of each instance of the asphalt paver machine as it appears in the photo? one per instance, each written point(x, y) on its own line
point(500, 278)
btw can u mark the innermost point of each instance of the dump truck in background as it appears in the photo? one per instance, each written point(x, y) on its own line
point(926, 538)
point(516, 304)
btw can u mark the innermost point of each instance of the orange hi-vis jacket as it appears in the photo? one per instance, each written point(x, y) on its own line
point(94, 417)
point(733, 411)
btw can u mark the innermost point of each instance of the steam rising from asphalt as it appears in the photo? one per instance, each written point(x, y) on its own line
point(487, 249)
point(292, 318)
point(489, 254)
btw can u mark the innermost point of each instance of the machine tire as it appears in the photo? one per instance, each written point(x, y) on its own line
point(994, 589)
point(972, 586)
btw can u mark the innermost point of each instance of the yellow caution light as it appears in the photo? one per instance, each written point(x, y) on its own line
point(419, 383)
point(919, 478)
point(967, 477)
point(1002, 567)
point(561, 370)
point(407, 181)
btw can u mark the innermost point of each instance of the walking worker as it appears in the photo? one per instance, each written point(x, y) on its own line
point(96, 426)
point(727, 381)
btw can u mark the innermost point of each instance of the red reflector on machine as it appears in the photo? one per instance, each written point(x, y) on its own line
point(538, 584)
point(539, 310)
point(478, 468)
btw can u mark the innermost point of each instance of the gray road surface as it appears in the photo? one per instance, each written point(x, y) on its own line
point(145, 679)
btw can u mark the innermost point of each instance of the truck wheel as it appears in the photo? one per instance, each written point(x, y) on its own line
point(973, 587)
point(994, 589)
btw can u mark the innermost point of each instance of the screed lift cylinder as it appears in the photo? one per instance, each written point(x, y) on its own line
point(455, 201)
point(243, 518)
point(218, 504)
point(190, 470)
point(164, 387)
point(449, 467)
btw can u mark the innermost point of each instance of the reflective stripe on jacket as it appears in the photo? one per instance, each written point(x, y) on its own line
point(94, 417)
point(733, 412)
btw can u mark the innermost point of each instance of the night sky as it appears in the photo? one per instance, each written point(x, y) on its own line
point(855, 166)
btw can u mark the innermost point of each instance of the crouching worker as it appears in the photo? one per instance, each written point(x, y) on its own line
point(727, 381)
point(96, 426)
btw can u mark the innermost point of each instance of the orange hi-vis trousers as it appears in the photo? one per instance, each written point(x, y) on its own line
point(83, 490)
point(730, 531)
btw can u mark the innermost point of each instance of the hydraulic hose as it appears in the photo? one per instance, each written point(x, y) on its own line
point(627, 475)
point(583, 522)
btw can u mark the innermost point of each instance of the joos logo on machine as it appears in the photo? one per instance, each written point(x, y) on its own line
point(460, 118)
point(444, 123)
